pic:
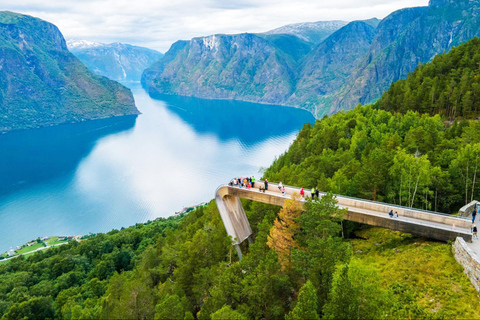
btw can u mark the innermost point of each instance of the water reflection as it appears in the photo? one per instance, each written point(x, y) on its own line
point(97, 176)
point(243, 121)
point(37, 156)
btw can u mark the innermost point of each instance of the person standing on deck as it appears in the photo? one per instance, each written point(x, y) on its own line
point(474, 214)
point(253, 182)
point(266, 184)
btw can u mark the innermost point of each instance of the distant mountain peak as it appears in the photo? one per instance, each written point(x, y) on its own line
point(82, 44)
point(310, 31)
point(457, 3)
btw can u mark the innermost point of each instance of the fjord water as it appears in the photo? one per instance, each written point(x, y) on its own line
point(107, 174)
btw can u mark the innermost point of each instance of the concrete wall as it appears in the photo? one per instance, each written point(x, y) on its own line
point(466, 210)
point(468, 260)
point(405, 212)
point(400, 224)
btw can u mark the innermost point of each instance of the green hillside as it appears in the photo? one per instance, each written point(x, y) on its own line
point(43, 84)
point(184, 266)
point(449, 85)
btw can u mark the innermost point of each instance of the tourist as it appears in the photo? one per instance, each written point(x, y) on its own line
point(249, 185)
point(302, 193)
point(474, 229)
point(312, 192)
point(280, 186)
point(395, 215)
point(317, 193)
point(266, 185)
point(391, 213)
point(253, 182)
point(235, 182)
point(283, 191)
point(474, 214)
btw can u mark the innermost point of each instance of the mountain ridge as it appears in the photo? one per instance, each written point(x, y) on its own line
point(43, 84)
point(401, 41)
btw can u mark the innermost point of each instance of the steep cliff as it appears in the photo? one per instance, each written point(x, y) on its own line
point(328, 67)
point(43, 84)
point(405, 39)
point(245, 66)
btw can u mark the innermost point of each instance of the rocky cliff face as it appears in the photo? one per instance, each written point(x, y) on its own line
point(355, 64)
point(117, 61)
point(402, 41)
point(245, 67)
point(43, 84)
point(328, 67)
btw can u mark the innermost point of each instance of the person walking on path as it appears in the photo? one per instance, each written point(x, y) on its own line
point(313, 193)
point(317, 193)
point(474, 231)
point(302, 193)
point(474, 214)
point(283, 191)
point(266, 184)
point(280, 186)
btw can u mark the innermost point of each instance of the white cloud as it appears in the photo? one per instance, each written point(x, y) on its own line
point(157, 24)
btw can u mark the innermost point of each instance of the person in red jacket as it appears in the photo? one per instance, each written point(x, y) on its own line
point(302, 193)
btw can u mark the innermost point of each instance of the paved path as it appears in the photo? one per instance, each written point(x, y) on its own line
point(39, 249)
point(430, 224)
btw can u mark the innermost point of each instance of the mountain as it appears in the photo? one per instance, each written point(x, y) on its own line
point(117, 61)
point(354, 64)
point(243, 66)
point(261, 68)
point(449, 85)
point(43, 84)
point(314, 32)
point(330, 64)
point(402, 41)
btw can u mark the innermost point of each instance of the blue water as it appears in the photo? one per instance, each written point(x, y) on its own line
point(107, 174)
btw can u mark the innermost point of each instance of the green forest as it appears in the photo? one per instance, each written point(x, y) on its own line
point(302, 264)
point(184, 267)
point(449, 85)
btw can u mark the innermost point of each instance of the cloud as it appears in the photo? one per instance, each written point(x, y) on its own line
point(157, 24)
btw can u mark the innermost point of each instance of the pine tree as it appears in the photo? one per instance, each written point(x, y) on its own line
point(281, 238)
point(306, 307)
point(227, 313)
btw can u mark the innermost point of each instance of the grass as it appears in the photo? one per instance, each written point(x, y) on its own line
point(54, 241)
point(26, 248)
point(425, 270)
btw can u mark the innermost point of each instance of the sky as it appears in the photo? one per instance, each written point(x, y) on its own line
point(157, 24)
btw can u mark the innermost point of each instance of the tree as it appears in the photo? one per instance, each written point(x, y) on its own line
point(281, 238)
point(356, 294)
point(170, 308)
point(307, 305)
point(227, 313)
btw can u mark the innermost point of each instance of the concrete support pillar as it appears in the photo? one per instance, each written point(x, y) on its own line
point(239, 251)
point(234, 218)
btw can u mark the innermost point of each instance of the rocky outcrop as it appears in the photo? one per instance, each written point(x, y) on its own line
point(43, 84)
